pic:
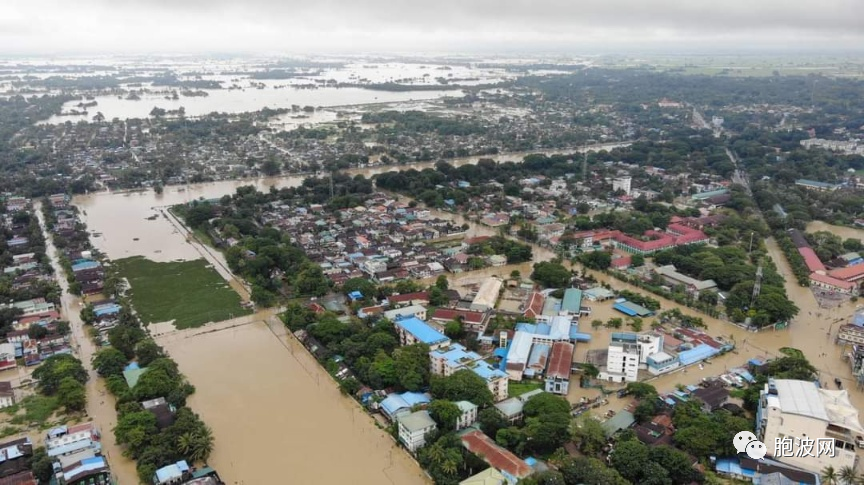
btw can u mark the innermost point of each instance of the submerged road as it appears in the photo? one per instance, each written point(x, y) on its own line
point(100, 403)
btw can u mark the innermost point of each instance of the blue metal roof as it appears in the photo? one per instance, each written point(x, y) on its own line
point(395, 402)
point(578, 336)
point(631, 309)
point(108, 310)
point(171, 472)
point(700, 352)
point(89, 464)
point(84, 266)
point(623, 309)
point(488, 372)
point(536, 329)
point(422, 331)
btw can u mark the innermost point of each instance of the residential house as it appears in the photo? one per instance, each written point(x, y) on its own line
point(7, 395)
point(413, 311)
point(413, 429)
point(396, 405)
point(511, 408)
point(489, 476)
point(468, 416)
point(471, 320)
point(409, 299)
point(16, 456)
point(711, 398)
point(560, 364)
point(501, 459)
point(7, 356)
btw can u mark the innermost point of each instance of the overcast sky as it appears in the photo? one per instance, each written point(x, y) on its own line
point(432, 26)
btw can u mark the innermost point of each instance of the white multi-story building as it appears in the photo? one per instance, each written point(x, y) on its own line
point(468, 416)
point(649, 344)
point(800, 411)
point(413, 429)
point(628, 352)
point(622, 359)
point(623, 184)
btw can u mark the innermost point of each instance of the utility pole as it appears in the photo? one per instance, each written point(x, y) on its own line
point(331, 185)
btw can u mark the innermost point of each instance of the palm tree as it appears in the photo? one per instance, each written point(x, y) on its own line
point(848, 475)
point(196, 445)
point(829, 475)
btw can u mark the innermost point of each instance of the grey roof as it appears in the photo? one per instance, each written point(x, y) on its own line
point(800, 397)
point(623, 420)
point(465, 406)
point(510, 407)
point(416, 421)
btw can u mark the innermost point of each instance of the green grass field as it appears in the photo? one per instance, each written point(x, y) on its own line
point(189, 292)
point(518, 388)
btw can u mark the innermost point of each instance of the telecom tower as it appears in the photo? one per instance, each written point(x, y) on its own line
point(757, 286)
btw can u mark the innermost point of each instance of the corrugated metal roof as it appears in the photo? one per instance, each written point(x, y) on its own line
point(700, 352)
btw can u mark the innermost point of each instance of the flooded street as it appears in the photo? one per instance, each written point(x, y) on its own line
point(100, 403)
point(278, 416)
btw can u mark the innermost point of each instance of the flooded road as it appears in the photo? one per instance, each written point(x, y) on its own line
point(100, 403)
point(278, 416)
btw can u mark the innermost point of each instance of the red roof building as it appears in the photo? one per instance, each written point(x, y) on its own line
point(811, 260)
point(474, 320)
point(561, 360)
point(497, 457)
point(622, 262)
point(416, 298)
point(850, 273)
point(830, 283)
point(534, 308)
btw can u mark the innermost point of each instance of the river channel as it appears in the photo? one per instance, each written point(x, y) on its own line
point(275, 413)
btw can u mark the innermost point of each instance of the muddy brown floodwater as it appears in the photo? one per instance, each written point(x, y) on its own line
point(278, 416)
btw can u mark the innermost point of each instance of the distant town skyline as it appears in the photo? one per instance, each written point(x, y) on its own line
point(46, 27)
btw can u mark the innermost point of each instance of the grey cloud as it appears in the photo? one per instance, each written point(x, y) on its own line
point(385, 24)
